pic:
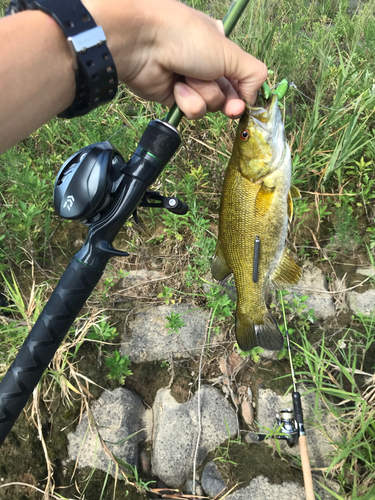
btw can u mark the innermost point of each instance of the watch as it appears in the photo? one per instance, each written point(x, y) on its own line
point(95, 71)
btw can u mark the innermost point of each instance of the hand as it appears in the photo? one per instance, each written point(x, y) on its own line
point(166, 52)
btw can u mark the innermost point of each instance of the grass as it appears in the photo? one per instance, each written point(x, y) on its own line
point(329, 55)
point(334, 376)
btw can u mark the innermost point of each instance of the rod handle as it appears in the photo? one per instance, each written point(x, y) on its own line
point(68, 298)
point(306, 469)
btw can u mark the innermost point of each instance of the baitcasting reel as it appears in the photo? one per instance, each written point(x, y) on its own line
point(88, 181)
point(285, 420)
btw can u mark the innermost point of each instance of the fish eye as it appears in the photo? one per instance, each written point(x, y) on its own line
point(244, 135)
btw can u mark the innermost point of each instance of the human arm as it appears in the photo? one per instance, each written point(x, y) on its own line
point(151, 48)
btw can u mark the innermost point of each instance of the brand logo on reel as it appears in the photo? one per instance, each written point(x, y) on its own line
point(69, 202)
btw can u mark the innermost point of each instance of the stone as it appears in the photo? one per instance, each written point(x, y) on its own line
point(212, 482)
point(176, 431)
point(314, 284)
point(260, 489)
point(366, 271)
point(267, 355)
point(321, 447)
point(362, 303)
point(133, 280)
point(116, 415)
point(188, 488)
point(247, 411)
point(147, 338)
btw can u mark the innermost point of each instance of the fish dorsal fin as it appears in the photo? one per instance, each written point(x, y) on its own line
point(287, 273)
point(219, 266)
point(295, 193)
point(264, 199)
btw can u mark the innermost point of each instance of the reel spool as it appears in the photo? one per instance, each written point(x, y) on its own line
point(288, 426)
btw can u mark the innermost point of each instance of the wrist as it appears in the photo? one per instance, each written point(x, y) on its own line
point(131, 28)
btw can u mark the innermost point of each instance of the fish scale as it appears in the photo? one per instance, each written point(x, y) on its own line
point(256, 201)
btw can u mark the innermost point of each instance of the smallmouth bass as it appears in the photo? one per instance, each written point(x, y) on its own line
point(256, 204)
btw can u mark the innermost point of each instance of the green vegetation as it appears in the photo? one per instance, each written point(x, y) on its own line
point(333, 376)
point(329, 55)
point(118, 367)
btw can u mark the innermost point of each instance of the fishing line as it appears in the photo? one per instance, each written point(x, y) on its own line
point(288, 341)
point(292, 85)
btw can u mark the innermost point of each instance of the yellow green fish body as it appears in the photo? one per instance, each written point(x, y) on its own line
point(256, 203)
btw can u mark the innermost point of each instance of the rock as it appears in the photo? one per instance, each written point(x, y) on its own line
point(320, 447)
point(247, 411)
point(363, 303)
point(212, 482)
point(314, 284)
point(267, 355)
point(148, 339)
point(260, 488)
point(366, 271)
point(176, 432)
point(188, 488)
point(117, 415)
point(141, 277)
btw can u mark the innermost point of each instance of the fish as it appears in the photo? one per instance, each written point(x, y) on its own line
point(255, 208)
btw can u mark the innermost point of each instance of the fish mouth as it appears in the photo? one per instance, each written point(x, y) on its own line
point(263, 110)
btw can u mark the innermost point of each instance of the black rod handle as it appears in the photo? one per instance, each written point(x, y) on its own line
point(68, 298)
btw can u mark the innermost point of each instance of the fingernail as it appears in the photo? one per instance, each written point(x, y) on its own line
point(181, 89)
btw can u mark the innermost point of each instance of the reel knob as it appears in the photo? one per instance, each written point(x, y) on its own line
point(85, 182)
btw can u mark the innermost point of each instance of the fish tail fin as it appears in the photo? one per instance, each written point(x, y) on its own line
point(245, 332)
point(266, 335)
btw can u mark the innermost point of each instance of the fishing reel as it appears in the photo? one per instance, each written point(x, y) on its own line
point(288, 427)
point(88, 181)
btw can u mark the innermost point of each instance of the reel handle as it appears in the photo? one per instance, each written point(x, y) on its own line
point(68, 298)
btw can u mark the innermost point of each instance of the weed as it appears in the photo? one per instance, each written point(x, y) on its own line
point(102, 331)
point(174, 323)
point(332, 374)
point(223, 451)
point(167, 295)
point(118, 367)
point(254, 353)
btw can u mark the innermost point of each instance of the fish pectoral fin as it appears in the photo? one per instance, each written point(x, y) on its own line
point(264, 199)
point(219, 266)
point(287, 272)
point(295, 193)
point(266, 335)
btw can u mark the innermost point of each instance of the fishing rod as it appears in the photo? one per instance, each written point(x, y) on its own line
point(291, 422)
point(97, 187)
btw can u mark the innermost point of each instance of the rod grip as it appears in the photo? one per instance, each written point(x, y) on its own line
point(68, 298)
point(306, 469)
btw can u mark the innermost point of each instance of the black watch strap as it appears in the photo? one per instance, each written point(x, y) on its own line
point(95, 71)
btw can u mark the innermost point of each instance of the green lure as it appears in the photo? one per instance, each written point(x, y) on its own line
point(281, 89)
